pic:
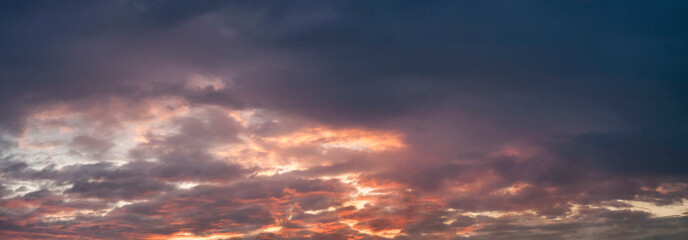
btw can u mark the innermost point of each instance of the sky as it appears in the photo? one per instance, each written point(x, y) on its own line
point(369, 120)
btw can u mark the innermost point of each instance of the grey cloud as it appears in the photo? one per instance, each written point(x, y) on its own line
point(130, 188)
point(91, 145)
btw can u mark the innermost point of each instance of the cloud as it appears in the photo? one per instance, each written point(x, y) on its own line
point(90, 145)
point(339, 120)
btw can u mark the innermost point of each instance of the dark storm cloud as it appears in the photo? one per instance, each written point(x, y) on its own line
point(636, 152)
point(607, 75)
point(83, 55)
point(609, 68)
point(544, 67)
point(127, 189)
point(384, 59)
point(408, 49)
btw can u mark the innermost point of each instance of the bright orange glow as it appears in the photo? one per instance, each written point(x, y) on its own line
point(289, 182)
point(355, 139)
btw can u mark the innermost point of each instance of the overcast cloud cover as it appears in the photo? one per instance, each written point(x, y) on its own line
point(344, 120)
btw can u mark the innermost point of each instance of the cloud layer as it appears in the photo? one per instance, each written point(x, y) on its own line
point(343, 120)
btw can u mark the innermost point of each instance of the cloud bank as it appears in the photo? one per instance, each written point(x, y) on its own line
point(343, 120)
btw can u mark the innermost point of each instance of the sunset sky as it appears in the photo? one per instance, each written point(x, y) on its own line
point(463, 120)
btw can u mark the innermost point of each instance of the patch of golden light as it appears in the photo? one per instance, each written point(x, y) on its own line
point(242, 117)
point(357, 198)
point(390, 233)
point(677, 209)
point(70, 215)
point(353, 139)
point(252, 154)
point(190, 236)
point(513, 189)
point(271, 229)
point(139, 133)
point(497, 214)
point(367, 190)
point(186, 185)
point(267, 153)
point(330, 209)
point(352, 180)
point(359, 204)
point(122, 203)
point(494, 214)
point(281, 169)
point(240, 151)
point(468, 231)
point(119, 204)
point(350, 222)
